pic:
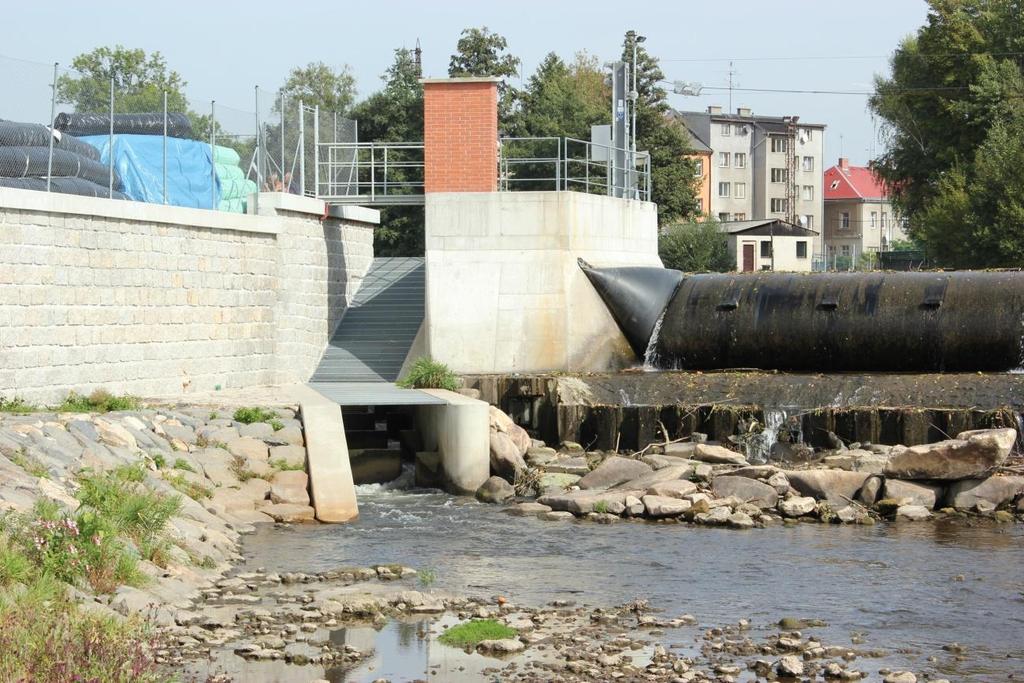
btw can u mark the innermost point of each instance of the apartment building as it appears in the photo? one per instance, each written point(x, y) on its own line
point(859, 217)
point(763, 167)
point(701, 155)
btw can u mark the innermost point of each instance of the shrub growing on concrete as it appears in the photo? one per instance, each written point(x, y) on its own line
point(426, 373)
point(250, 415)
point(99, 401)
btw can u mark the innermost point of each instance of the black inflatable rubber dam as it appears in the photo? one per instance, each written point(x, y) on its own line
point(825, 322)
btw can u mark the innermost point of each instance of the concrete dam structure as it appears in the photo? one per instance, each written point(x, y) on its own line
point(960, 321)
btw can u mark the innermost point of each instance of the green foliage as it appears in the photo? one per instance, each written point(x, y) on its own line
point(481, 52)
point(470, 633)
point(44, 636)
point(674, 178)
point(241, 470)
point(17, 405)
point(159, 460)
point(601, 506)
point(15, 567)
point(695, 247)
point(182, 464)
point(188, 488)
point(395, 114)
point(904, 245)
point(99, 401)
point(276, 424)
point(285, 466)
point(564, 100)
point(955, 133)
point(427, 577)
point(22, 459)
point(430, 374)
point(317, 84)
point(250, 415)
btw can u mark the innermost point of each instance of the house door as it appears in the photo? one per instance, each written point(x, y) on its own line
point(748, 258)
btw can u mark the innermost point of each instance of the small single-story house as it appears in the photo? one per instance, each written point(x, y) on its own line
point(769, 244)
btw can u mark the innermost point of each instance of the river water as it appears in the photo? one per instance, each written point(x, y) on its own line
point(912, 586)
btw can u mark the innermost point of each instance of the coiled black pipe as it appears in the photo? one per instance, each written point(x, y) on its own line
point(178, 124)
point(78, 186)
point(14, 134)
point(27, 162)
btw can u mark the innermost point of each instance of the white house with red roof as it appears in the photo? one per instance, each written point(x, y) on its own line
point(859, 217)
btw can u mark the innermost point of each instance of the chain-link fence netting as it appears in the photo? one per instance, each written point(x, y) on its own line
point(66, 131)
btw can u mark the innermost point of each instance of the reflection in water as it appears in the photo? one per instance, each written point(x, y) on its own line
point(898, 584)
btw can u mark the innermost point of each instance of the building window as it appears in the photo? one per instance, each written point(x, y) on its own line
point(809, 222)
point(739, 216)
point(808, 194)
point(726, 129)
point(723, 189)
point(778, 175)
point(801, 249)
point(885, 218)
point(723, 159)
point(808, 134)
point(780, 144)
point(698, 166)
point(723, 217)
point(766, 249)
point(874, 217)
point(845, 249)
point(740, 191)
point(739, 160)
point(844, 220)
point(808, 164)
point(778, 205)
point(699, 206)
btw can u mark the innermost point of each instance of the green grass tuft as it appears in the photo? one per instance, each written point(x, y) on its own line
point(188, 488)
point(182, 464)
point(285, 466)
point(276, 425)
point(99, 401)
point(22, 459)
point(430, 374)
point(250, 415)
point(470, 633)
point(17, 405)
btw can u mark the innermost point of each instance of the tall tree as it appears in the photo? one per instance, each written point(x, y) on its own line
point(695, 247)
point(952, 115)
point(140, 81)
point(317, 84)
point(673, 176)
point(481, 52)
point(565, 100)
point(395, 114)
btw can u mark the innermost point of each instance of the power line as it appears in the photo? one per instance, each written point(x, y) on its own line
point(921, 55)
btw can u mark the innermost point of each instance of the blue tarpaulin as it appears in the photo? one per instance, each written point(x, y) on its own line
point(139, 161)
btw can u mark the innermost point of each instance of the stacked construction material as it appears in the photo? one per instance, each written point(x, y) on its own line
point(75, 167)
point(139, 149)
point(235, 188)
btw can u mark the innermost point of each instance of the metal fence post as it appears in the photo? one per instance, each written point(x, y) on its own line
point(259, 154)
point(302, 150)
point(316, 151)
point(213, 154)
point(110, 146)
point(280, 105)
point(53, 123)
point(165, 147)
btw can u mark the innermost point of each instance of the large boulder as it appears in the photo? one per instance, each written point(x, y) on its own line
point(248, 447)
point(506, 458)
point(646, 481)
point(676, 488)
point(717, 455)
point(291, 487)
point(613, 471)
point(663, 506)
point(971, 455)
point(577, 465)
point(966, 494)
point(495, 490)
point(502, 423)
point(838, 487)
point(912, 493)
point(288, 512)
point(745, 489)
point(857, 460)
point(871, 491)
point(585, 502)
point(797, 506)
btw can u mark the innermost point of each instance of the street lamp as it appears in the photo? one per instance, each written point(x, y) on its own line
point(634, 97)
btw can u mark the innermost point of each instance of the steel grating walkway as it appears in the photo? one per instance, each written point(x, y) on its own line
point(379, 327)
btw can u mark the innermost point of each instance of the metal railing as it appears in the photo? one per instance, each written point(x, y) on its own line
point(370, 172)
point(554, 163)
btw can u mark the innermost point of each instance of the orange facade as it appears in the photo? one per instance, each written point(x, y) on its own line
point(703, 160)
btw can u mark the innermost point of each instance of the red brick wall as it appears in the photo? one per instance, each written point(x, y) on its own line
point(460, 136)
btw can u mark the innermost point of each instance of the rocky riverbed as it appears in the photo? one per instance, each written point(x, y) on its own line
point(710, 484)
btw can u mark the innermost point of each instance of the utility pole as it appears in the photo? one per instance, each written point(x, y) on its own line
point(634, 98)
point(732, 72)
point(418, 59)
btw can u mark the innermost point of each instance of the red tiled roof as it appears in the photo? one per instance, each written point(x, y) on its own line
point(853, 182)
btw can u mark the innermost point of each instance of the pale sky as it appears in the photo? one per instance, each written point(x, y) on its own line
point(225, 48)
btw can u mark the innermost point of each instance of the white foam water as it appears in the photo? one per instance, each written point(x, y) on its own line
point(651, 353)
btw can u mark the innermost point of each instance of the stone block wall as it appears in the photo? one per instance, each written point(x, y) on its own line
point(156, 300)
